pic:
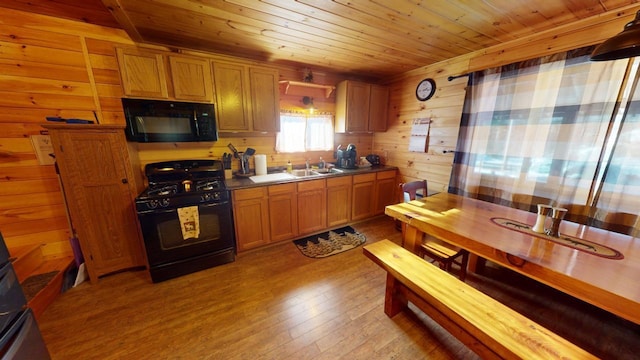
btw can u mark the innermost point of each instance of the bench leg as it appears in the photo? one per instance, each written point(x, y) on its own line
point(394, 300)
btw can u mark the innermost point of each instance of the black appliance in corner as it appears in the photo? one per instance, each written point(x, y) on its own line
point(186, 218)
point(20, 336)
point(347, 159)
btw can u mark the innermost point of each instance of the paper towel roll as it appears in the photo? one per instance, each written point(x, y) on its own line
point(261, 164)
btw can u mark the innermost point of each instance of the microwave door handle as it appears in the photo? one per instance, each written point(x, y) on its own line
point(195, 120)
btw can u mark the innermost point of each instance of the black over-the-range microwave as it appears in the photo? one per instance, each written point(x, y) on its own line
point(169, 121)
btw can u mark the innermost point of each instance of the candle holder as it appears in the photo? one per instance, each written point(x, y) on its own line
point(557, 214)
point(543, 211)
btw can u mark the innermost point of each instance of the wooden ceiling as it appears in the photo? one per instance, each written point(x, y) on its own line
point(373, 38)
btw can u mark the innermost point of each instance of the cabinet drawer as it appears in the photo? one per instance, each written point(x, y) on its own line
point(282, 188)
point(339, 181)
point(364, 178)
point(311, 185)
point(251, 193)
point(386, 174)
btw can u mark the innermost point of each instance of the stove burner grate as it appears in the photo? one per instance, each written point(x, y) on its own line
point(208, 185)
point(163, 190)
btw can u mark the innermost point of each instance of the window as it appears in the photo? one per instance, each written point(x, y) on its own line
point(300, 132)
point(556, 129)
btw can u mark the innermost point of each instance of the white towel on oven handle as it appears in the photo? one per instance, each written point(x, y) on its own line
point(189, 222)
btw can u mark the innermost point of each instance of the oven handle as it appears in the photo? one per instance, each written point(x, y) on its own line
point(166, 211)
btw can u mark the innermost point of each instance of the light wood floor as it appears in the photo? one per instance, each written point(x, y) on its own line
point(275, 303)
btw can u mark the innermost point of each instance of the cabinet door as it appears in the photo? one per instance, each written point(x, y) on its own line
point(283, 216)
point(363, 196)
point(143, 73)
point(339, 200)
point(378, 108)
point(251, 215)
point(357, 106)
point(385, 194)
point(265, 103)
point(231, 98)
point(94, 170)
point(312, 206)
point(191, 78)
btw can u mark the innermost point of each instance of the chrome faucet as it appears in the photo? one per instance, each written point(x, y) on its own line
point(307, 163)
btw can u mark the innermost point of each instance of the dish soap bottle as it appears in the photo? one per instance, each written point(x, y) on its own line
point(321, 164)
point(289, 167)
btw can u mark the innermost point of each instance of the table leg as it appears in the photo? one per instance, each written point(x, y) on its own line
point(412, 239)
point(476, 263)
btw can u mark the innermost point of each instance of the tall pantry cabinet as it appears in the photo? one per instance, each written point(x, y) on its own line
point(100, 186)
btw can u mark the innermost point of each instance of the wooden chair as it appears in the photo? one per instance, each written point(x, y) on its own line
point(442, 252)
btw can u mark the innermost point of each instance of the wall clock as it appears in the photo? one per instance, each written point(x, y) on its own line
point(425, 89)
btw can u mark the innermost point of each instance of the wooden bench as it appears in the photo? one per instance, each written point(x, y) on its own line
point(486, 326)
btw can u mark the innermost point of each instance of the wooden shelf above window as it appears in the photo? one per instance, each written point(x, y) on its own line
point(328, 89)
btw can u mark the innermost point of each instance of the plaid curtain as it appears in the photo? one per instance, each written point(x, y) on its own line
point(539, 131)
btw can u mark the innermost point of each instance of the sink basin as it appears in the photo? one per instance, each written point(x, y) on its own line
point(303, 173)
point(328, 171)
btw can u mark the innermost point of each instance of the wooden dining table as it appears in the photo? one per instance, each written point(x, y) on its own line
point(607, 277)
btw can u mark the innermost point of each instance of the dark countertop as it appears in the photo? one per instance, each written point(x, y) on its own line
point(244, 182)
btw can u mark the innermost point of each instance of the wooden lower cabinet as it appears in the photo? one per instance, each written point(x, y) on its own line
point(283, 211)
point(273, 213)
point(251, 214)
point(312, 206)
point(385, 194)
point(339, 191)
point(363, 196)
point(100, 187)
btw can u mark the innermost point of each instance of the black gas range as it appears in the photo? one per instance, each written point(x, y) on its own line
point(186, 218)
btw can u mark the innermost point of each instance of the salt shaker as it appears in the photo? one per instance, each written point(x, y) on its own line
point(543, 210)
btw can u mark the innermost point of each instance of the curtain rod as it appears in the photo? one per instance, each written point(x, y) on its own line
point(457, 76)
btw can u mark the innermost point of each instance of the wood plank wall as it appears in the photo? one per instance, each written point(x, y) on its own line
point(43, 72)
point(56, 67)
point(445, 107)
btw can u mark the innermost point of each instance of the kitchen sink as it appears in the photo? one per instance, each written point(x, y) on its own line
point(314, 172)
point(327, 171)
point(303, 173)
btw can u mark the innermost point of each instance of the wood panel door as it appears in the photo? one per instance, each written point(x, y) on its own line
point(283, 211)
point(99, 187)
point(378, 108)
point(231, 96)
point(352, 106)
point(312, 206)
point(251, 216)
point(339, 200)
point(143, 73)
point(385, 194)
point(265, 99)
point(363, 196)
point(191, 78)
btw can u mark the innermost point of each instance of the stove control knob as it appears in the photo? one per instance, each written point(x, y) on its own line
point(152, 204)
point(216, 196)
point(206, 197)
point(164, 202)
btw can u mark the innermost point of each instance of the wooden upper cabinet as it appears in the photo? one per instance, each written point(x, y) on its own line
point(378, 108)
point(265, 99)
point(247, 97)
point(191, 78)
point(143, 73)
point(231, 96)
point(361, 107)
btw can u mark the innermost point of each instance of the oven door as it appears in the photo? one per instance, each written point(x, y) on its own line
point(164, 240)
